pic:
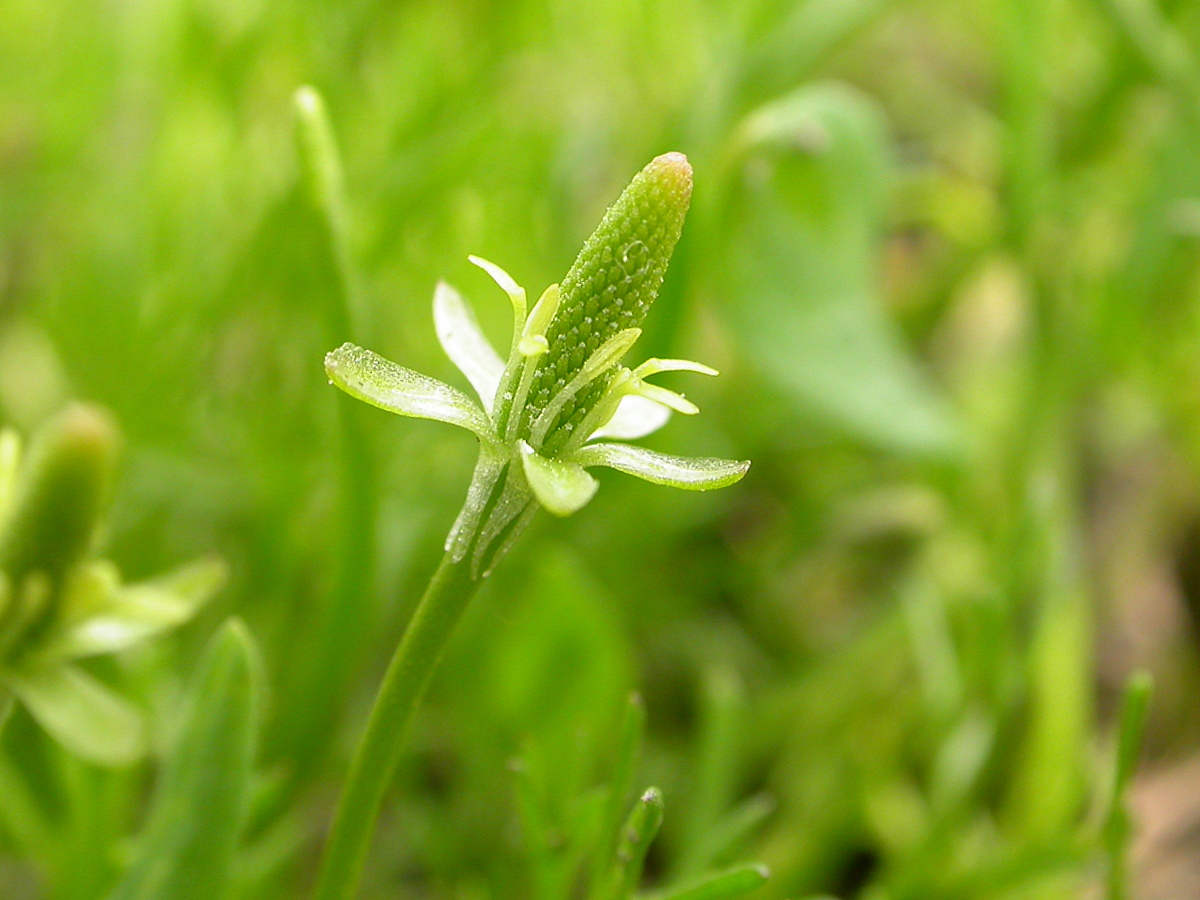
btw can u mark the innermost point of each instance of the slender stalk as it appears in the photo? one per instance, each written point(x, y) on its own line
point(450, 590)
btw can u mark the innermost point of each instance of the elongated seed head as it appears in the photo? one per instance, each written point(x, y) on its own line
point(610, 287)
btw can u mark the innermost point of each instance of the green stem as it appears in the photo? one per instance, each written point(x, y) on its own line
point(408, 674)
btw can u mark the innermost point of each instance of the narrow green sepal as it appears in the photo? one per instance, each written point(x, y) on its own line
point(381, 382)
point(686, 472)
point(561, 487)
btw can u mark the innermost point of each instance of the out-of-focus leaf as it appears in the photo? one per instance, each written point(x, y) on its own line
point(805, 214)
point(637, 834)
point(200, 807)
point(115, 617)
point(628, 748)
point(1117, 830)
point(82, 714)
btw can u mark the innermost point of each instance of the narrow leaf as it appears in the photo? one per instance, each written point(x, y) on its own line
point(82, 714)
point(561, 487)
point(1129, 741)
point(689, 473)
point(803, 227)
point(381, 382)
point(465, 343)
point(200, 806)
point(636, 836)
point(629, 746)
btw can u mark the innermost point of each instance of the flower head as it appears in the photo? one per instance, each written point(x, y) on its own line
point(544, 415)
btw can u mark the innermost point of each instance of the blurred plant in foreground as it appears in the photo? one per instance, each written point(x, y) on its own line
point(60, 604)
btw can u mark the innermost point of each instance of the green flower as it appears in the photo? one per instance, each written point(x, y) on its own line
point(545, 416)
point(59, 604)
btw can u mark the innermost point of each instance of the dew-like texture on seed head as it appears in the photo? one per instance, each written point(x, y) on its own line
point(612, 284)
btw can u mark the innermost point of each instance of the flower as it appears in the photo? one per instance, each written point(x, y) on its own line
point(546, 415)
point(59, 604)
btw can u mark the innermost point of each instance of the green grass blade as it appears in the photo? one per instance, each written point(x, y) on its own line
point(201, 805)
point(1134, 706)
point(636, 836)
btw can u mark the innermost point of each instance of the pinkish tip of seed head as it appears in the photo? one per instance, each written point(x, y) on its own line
point(673, 167)
point(674, 161)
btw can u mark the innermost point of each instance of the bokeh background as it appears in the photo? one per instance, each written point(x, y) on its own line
point(945, 255)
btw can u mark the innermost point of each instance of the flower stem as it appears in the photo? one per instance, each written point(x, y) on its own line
point(450, 590)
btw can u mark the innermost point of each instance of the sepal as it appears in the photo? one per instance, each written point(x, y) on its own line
point(686, 472)
point(562, 487)
point(381, 382)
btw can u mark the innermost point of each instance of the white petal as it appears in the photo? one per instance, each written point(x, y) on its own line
point(383, 383)
point(635, 417)
point(689, 473)
point(465, 343)
point(561, 487)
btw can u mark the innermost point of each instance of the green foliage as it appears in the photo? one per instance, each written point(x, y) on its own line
point(201, 805)
point(945, 257)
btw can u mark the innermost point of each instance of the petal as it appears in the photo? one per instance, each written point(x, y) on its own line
point(635, 417)
point(83, 715)
point(687, 472)
point(116, 617)
point(561, 487)
point(383, 383)
point(465, 344)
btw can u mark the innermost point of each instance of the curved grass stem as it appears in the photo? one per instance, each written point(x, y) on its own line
point(450, 590)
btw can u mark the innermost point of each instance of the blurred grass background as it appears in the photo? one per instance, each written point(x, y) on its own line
point(945, 255)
